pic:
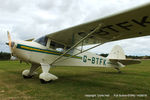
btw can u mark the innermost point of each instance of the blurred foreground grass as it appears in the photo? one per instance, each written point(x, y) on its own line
point(75, 83)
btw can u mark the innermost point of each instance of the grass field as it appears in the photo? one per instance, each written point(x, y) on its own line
point(75, 83)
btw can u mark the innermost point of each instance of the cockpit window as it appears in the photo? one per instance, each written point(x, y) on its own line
point(42, 40)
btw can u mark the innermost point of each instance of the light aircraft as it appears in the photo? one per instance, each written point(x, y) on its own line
point(62, 48)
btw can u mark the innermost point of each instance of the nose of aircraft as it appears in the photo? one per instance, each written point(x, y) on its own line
point(11, 46)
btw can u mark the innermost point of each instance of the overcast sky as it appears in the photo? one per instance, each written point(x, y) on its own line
point(27, 19)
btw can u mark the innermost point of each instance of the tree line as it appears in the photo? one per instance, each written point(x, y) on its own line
point(4, 56)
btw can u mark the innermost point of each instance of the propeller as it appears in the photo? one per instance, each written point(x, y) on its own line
point(10, 43)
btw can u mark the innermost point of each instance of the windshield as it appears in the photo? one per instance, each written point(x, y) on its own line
point(42, 40)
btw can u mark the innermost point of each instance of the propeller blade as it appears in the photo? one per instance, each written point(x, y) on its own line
point(9, 42)
point(11, 46)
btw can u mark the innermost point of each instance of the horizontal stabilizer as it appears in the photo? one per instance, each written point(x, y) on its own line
point(126, 61)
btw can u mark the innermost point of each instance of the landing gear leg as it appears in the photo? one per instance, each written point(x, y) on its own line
point(30, 73)
point(118, 69)
point(45, 76)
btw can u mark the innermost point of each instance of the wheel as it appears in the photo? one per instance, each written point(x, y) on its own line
point(27, 77)
point(119, 72)
point(45, 82)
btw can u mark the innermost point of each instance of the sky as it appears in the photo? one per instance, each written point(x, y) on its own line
point(26, 19)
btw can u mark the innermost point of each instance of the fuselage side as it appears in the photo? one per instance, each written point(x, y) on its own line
point(36, 53)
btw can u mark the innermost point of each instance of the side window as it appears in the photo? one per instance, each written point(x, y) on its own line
point(57, 46)
point(71, 51)
point(52, 45)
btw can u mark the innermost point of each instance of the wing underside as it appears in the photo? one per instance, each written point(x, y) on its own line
point(129, 24)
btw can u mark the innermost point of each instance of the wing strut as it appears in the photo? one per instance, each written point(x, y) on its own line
point(83, 51)
point(95, 30)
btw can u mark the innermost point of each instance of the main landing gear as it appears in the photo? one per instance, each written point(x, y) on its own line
point(30, 73)
point(45, 76)
point(118, 69)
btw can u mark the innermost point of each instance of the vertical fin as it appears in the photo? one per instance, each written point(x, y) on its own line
point(116, 53)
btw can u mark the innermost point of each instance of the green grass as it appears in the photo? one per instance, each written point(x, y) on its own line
point(75, 82)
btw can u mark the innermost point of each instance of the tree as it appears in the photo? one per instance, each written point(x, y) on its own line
point(4, 56)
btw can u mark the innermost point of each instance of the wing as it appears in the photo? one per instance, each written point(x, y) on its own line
point(129, 24)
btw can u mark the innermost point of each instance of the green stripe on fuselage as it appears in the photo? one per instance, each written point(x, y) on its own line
point(34, 49)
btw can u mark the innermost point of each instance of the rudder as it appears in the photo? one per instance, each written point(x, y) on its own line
point(117, 53)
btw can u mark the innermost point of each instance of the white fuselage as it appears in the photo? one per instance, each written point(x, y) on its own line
point(36, 53)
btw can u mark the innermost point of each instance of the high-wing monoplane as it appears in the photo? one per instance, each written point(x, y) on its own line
point(62, 48)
